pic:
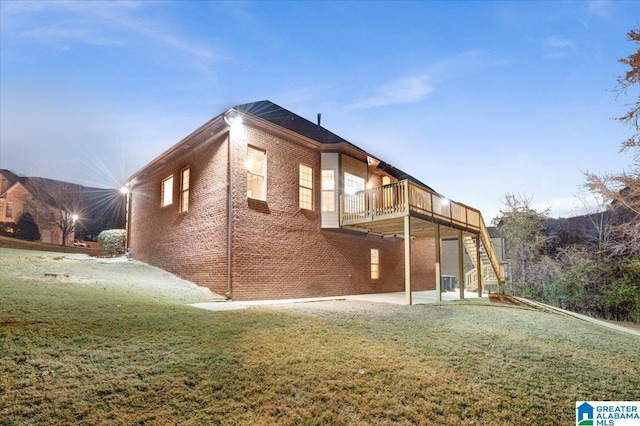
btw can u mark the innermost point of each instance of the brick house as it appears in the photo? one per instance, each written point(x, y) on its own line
point(260, 203)
point(51, 203)
point(19, 195)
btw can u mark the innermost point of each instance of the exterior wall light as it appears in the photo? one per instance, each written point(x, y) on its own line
point(232, 117)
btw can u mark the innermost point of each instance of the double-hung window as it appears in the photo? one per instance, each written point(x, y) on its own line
point(375, 264)
point(353, 183)
point(352, 186)
point(184, 189)
point(256, 174)
point(328, 191)
point(166, 195)
point(306, 187)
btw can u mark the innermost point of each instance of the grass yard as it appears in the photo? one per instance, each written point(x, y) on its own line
point(86, 350)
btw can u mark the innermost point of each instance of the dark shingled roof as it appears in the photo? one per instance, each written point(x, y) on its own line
point(275, 114)
point(279, 116)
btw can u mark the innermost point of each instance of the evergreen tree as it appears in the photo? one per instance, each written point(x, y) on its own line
point(27, 228)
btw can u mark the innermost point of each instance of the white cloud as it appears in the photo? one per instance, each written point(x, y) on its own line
point(417, 87)
point(96, 22)
point(556, 42)
point(405, 90)
point(56, 33)
point(598, 7)
point(557, 47)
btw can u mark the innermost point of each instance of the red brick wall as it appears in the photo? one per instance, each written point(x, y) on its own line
point(279, 250)
point(193, 244)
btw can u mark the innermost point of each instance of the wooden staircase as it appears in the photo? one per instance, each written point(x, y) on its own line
point(492, 269)
point(382, 211)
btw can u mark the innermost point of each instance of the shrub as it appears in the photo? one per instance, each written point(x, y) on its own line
point(112, 241)
point(27, 228)
point(623, 296)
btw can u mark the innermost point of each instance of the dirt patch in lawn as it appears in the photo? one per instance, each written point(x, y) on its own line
point(504, 298)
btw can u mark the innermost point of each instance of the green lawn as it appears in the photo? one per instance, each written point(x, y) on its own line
point(79, 354)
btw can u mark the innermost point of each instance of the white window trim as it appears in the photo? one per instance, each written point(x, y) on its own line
point(331, 191)
point(183, 208)
point(163, 198)
point(375, 264)
point(263, 175)
point(302, 186)
point(353, 183)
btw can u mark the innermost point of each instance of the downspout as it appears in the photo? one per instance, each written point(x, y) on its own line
point(127, 221)
point(229, 217)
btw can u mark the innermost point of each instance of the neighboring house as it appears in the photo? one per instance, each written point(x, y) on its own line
point(260, 203)
point(50, 202)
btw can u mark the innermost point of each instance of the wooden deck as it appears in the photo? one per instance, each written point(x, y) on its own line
point(405, 198)
point(382, 210)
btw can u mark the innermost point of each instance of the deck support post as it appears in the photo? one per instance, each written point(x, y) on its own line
point(479, 265)
point(407, 259)
point(438, 261)
point(461, 282)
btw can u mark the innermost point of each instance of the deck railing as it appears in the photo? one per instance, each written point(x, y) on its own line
point(490, 281)
point(404, 198)
point(485, 238)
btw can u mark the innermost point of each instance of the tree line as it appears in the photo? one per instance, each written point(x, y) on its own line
point(589, 264)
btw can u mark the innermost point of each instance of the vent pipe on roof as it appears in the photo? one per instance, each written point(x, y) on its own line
point(319, 118)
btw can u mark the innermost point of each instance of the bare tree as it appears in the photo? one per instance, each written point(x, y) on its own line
point(523, 229)
point(623, 189)
point(601, 219)
point(59, 204)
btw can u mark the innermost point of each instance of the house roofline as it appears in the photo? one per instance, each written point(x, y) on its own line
point(163, 158)
point(275, 120)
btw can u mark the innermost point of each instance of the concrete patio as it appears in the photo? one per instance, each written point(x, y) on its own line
point(398, 298)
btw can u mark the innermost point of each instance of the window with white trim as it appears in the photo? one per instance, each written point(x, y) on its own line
point(166, 195)
point(375, 264)
point(256, 174)
point(353, 183)
point(184, 189)
point(328, 191)
point(306, 187)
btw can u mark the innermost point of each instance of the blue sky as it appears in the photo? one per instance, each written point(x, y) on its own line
point(476, 99)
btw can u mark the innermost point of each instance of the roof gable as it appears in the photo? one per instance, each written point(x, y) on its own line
point(279, 116)
point(282, 117)
point(276, 115)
